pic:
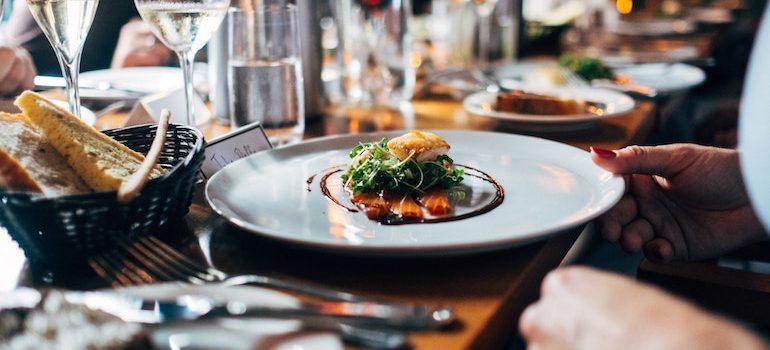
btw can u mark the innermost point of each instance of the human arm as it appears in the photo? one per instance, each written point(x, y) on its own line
point(682, 202)
point(17, 72)
point(582, 308)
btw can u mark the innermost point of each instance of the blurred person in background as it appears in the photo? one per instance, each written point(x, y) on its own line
point(118, 38)
point(683, 202)
point(16, 70)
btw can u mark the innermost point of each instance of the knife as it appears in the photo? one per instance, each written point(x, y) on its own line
point(190, 308)
point(193, 307)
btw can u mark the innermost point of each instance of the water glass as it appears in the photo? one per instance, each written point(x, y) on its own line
point(473, 34)
point(265, 71)
point(376, 57)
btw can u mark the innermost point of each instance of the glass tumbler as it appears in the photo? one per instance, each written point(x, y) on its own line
point(378, 65)
point(265, 71)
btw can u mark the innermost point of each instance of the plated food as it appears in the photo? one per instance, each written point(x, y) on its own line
point(550, 109)
point(549, 187)
point(549, 73)
point(409, 178)
point(588, 68)
point(48, 321)
point(524, 102)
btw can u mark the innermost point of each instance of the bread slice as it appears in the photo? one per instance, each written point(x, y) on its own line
point(29, 163)
point(102, 162)
point(14, 177)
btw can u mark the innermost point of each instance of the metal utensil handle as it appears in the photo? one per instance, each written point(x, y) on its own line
point(359, 314)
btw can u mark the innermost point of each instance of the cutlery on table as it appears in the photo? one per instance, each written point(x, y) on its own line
point(152, 261)
point(193, 308)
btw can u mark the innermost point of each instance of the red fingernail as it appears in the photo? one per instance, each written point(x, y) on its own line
point(604, 153)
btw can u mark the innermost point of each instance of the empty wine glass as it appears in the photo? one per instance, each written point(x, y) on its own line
point(484, 10)
point(66, 24)
point(184, 26)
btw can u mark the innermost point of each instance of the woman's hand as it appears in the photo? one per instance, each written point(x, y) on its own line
point(17, 71)
point(137, 46)
point(582, 308)
point(682, 202)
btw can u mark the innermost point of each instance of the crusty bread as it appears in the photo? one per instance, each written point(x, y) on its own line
point(101, 162)
point(29, 163)
point(14, 177)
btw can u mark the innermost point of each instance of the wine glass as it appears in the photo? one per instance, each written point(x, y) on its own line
point(376, 51)
point(484, 10)
point(184, 26)
point(66, 24)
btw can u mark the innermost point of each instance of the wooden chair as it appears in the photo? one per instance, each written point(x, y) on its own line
point(740, 294)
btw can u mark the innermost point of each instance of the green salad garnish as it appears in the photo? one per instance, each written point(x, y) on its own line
point(586, 67)
point(374, 168)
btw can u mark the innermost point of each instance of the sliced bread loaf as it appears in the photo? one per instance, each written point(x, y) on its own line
point(101, 162)
point(29, 163)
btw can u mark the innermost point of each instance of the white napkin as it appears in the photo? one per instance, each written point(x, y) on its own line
point(147, 110)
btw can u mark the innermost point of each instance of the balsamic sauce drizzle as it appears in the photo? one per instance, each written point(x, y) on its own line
point(395, 220)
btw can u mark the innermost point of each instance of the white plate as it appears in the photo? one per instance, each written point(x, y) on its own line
point(663, 77)
point(483, 104)
point(654, 27)
point(549, 187)
point(147, 80)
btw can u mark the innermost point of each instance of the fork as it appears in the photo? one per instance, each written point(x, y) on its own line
point(163, 263)
point(153, 260)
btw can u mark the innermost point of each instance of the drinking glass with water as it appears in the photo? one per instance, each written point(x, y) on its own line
point(265, 71)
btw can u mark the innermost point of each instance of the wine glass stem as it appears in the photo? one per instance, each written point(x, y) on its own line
point(71, 71)
point(484, 29)
point(186, 58)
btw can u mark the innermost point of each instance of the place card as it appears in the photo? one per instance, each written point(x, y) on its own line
point(232, 146)
point(147, 109)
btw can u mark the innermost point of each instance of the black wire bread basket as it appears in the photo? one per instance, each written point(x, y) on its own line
point(70, 228)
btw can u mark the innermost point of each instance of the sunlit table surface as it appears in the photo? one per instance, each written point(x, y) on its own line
point(488, 291)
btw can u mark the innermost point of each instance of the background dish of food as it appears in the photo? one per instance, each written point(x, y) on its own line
point(549, 187)
point(616, 104)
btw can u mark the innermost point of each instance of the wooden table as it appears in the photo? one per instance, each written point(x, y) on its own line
point(487, 290)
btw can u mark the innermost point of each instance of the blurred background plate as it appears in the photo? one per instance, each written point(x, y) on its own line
point(484, 104)
point(127, 83)
point(664, 77)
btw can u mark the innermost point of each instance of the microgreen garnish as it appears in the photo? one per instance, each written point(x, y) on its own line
point(374, 168)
